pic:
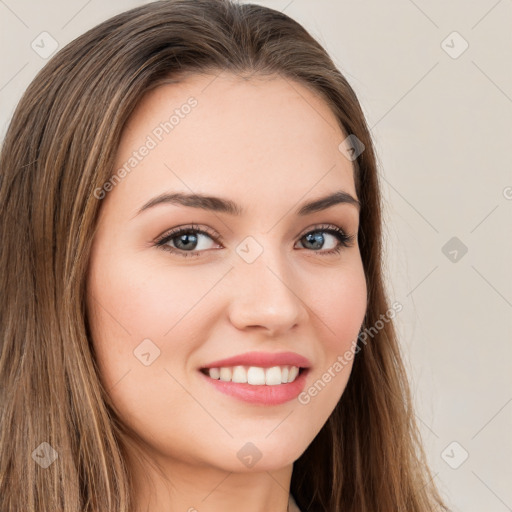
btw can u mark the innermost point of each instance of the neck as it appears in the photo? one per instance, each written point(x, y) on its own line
point(188, 487)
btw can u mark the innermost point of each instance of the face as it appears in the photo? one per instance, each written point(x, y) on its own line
point(178, 286)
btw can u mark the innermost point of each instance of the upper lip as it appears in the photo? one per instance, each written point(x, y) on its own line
point(263, 360)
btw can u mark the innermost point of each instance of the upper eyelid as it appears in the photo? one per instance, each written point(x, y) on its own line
point(178, 229)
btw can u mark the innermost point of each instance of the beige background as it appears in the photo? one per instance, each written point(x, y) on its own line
point(442, 123)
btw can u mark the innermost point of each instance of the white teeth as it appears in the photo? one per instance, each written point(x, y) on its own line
point(273, 376)
point(215, 373)
point(294, 371)
point(255, 375)
point(225, 374)
point(239, 375)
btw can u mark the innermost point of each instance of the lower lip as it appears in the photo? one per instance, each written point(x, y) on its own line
point(265, 395)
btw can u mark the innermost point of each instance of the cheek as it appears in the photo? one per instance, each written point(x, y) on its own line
point(341, 305)
point(340, 302)
point(129, 304)
point(137, 307)
point(147, 299)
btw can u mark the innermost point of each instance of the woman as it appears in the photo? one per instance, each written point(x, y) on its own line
point(194, 314)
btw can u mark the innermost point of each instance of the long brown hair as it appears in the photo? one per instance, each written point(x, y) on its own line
point(59, 148)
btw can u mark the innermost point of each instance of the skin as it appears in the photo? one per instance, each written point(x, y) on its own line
point(270, 145)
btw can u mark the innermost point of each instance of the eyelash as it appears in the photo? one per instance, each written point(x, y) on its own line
point(344, 239)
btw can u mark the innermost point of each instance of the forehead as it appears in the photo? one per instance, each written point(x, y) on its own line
point(227, 135)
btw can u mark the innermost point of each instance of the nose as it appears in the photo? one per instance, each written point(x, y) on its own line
point(265, 296)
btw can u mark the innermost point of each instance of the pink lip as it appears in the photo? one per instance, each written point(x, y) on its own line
point(264, 395)
point(263, 360)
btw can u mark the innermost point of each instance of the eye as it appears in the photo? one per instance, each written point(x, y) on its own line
point(192, 240)
point(317, 238)
point(186, 241)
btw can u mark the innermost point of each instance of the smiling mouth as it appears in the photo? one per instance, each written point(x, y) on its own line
point(254, 375)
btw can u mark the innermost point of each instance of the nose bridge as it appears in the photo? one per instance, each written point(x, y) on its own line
point(265, 294)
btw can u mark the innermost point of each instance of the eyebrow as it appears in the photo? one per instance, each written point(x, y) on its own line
point(218, 204)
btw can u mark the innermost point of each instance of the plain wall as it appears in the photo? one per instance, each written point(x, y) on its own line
point(441, 119)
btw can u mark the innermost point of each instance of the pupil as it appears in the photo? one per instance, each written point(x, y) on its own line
point(316, 238)
point(185, 239)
